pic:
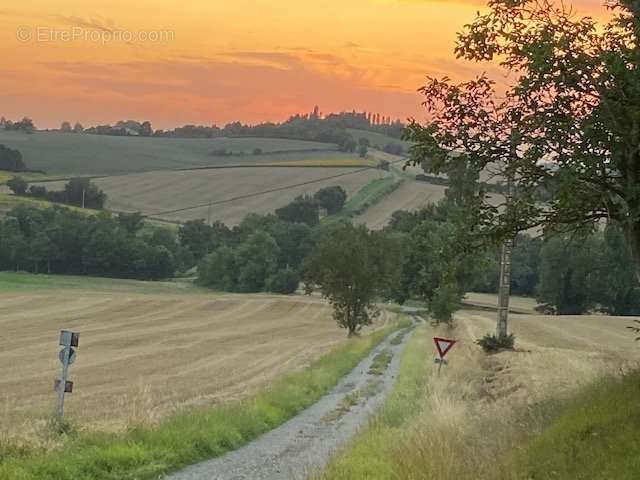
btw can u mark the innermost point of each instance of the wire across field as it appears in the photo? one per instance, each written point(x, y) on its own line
point(232, 192)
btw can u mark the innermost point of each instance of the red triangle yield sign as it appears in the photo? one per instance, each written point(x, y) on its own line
point(443, 345)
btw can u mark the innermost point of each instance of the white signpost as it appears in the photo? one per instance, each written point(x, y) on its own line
point(67, 356)
point(443, 345)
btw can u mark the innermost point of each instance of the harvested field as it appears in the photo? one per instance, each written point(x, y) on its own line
point(489, 300)
point(155, 193)
point(409, 196)
point(143, 355)
point(84, 154)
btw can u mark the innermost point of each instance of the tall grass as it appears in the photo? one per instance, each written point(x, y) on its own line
point(190, 436)
point(596, 436)
point(444, 429)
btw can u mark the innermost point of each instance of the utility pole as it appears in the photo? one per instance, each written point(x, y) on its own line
point(504, 287)
point(83, 193)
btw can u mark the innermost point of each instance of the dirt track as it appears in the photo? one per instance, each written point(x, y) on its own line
point(307, 441)
point(142, 355)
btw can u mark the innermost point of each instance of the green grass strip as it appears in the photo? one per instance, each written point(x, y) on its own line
point(369, 195)
point(371, 454)
point(193, 435)
point(596, 436)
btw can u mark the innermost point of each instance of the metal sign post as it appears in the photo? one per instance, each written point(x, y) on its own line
point(67, 356)
point(443, 345)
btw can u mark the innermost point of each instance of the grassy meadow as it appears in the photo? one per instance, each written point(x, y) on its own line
point(84, 154)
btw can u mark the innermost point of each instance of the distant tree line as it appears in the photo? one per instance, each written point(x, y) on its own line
point(568, 275)
point(60, 241)
point(310, 127)
point(80, 192)
point(25, 125)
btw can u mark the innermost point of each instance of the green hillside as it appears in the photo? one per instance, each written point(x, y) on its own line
point(81, 154)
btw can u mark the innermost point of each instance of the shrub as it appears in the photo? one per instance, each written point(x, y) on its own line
point(284, 281)
point(492, 343)
point(18, 185)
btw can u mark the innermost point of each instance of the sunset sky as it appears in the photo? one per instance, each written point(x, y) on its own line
point(212, 61)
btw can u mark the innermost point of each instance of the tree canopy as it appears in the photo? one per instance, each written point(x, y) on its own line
point(569, 122)
point(353, 267)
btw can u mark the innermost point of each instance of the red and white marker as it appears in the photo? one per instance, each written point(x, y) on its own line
point(443, 345)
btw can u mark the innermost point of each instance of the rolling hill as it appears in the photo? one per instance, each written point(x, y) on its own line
point(83, 154)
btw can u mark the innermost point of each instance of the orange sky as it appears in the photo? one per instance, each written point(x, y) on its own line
point(213, 61)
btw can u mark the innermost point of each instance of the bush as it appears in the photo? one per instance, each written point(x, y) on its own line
point(18, 185)
point(492, 343)
point(284, 281)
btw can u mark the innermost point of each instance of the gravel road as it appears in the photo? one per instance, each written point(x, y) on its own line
point(306, 442)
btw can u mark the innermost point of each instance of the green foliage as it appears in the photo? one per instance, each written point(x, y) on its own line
point(331, 198)
point(352, 267)
point(568, 125)
point(131, 222)
point(58, 240)
point(594, 437)
point(492, 343)
point(18, 185)
point(23, 126)
point(80, 192)
point(11, 160)
point(190, 436)
point(283, 281)
point(303, 209)
point(586, 273)
point(439, 264)
point(615, 286)
point(369, 195)
point(363, 147)
point(200, 238)
point(243, 268)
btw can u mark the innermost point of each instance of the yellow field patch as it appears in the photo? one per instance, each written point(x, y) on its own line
point(332, 162)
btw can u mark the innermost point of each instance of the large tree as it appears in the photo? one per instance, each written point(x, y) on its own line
point(353, 268)
point(570, 121)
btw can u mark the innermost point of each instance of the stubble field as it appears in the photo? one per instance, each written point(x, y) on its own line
point(144, 355)
point(170, 195)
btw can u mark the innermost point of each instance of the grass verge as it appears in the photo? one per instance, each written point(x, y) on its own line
point(371, 455)
point(190, 436)
point(366, 197)
point(29, 282)
point(596, 436)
